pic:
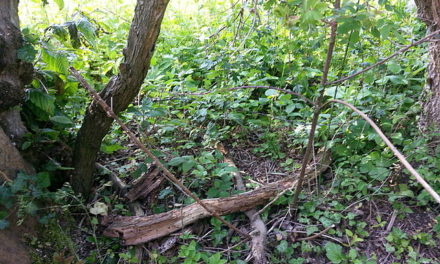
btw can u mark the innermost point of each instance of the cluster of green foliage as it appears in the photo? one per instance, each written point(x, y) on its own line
point(274, 43)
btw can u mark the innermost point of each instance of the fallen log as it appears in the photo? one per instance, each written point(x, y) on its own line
point(135, 230)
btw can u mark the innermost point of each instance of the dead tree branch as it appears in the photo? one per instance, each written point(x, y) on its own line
point(168, 175)
point(396, 152)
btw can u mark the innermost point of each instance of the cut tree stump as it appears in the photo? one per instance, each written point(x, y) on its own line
point(135, 230)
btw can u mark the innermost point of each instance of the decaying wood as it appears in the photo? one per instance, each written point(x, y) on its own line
point(134, 230)
point(259, 230)
point(143, 186)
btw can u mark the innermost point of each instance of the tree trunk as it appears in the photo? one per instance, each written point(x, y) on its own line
point(429, 12)
point(120, 91)
point(14, 75)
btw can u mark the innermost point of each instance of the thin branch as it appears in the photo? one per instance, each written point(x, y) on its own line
point(396, 152)
point(402, 50)
point(170, 176)
point(316, 235)
point(307, 100)
point(309, 149)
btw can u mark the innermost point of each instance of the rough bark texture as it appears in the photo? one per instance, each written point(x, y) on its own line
point(10, 160)
point(120, 90)
point(13, 250)
point(143, 186)
point(429, 12)
point(135, 230)
point(14, 74)
point(10, 121)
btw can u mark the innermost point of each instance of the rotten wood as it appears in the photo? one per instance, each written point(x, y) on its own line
point(143, 186)
point(134, 230)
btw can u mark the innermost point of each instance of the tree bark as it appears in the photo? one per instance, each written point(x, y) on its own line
point(429, 12)
point(14, 74)
point(135, 230)
point(119, 92)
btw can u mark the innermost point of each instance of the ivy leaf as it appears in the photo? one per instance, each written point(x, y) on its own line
point(334, 252)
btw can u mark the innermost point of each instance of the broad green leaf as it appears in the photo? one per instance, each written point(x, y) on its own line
point(271, 92)
point(109, 149)
point(176, 161)
point(87, 29)
point(61, 120)
point(43, 101)
point(27, 53)
point(394, 67)
point(334, 252)
point(43, 179)
point(55, 61)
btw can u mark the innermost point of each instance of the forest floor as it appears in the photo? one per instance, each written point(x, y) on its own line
point(389, 234)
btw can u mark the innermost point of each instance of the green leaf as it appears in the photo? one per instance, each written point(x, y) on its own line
point(109, 149)
point(334, 252)
point(43, 101)
point(55, 61)
point(176, 161)
point(394, 67)
point(271, 92)
point(43, 179)
point(27, 53)
point(282, 247)
point(61, 120)
point(87, 29)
